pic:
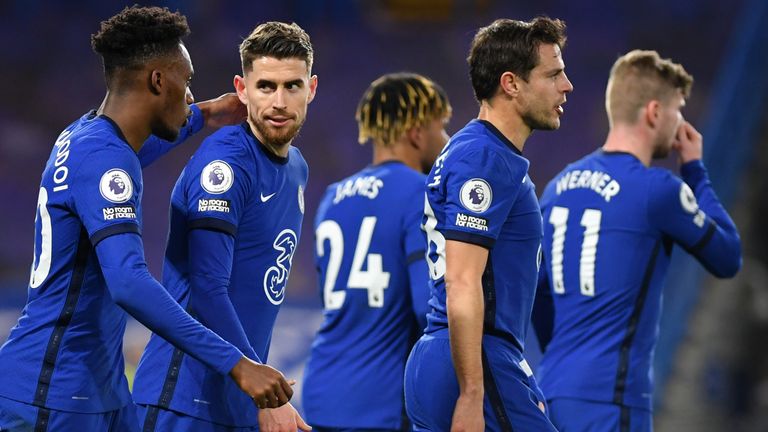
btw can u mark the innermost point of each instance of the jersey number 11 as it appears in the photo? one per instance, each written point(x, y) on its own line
point(590, 220)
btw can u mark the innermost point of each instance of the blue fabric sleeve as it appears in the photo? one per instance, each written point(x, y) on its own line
point(415, 243)
point(210, 263)
point(106, 192)
point(418, 276)
point(692, 216)
point(218, 190)
point(155, 147)
point(543, 314)
point(481, 187)
point(132, 287)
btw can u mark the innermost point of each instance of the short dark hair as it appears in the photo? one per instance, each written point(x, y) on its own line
point(278, 40)
point(397, 102)
point(638, 77)
point(136, 35)
point(509, 45)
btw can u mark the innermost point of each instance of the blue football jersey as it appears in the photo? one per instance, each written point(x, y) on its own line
point(479, 192)
point(609, 226)
point(374, 287)
point(235, 185)
point(65, 352)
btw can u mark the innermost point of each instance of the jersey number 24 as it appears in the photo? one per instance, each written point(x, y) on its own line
point(374, 279)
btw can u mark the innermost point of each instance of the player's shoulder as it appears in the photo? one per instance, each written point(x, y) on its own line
point(228, 145)
point(226, 142)
point(663, 183)
point(479, 143)
point(93, 142)
point(297, 161)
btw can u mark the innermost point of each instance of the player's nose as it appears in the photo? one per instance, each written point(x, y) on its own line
point(189, 97)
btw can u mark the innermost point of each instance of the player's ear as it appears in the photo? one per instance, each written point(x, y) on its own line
point(242, 93)
point(312, 88)
point(652, 113)
point(509, 83)
point(156, 81)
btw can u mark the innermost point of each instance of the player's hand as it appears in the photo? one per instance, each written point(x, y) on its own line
point(264, 384)
point(468, 414)
point(688, 143)
point(283, 419)
point(225, 110)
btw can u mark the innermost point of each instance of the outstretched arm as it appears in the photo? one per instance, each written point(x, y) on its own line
point(223, 111)
point(132, 287)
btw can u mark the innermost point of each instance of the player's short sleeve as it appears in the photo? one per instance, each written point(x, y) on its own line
point(106, 191)
point(673, 209)
point(218, 187)
point(481, 186)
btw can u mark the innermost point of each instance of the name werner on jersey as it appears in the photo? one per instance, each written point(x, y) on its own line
point(598, 181)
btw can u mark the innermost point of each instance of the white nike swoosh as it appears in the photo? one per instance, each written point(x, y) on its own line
point(266, 198)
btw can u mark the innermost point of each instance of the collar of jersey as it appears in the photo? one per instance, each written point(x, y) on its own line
point(386, 162)
point(114, 125)
point(488, 125)
point(617, 153)
point(273, 157)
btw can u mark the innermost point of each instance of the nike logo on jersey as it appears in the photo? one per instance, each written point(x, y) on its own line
point(267, 197)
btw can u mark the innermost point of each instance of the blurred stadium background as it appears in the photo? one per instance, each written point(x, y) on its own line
point(712, 360)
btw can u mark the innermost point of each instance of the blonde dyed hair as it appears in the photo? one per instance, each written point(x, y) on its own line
point(639, 77)
point(395, 103)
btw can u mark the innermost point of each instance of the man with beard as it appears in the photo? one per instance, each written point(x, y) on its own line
point(62, 366)
point(371, 262)
point(610, 221)
point(232, 238)
point(483, 225)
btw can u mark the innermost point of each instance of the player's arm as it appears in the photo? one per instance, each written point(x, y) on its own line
point(465, 263)
point(696, 220)
point(210, 263)
point(543, 314)
point(222, 111)
point(418, 278)
point(416, 260)
point(132, 287)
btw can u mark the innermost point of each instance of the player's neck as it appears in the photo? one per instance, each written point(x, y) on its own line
point(275, 149)
point(396, 152)
point(508, 122)
point(628, 139)
point(125, 111)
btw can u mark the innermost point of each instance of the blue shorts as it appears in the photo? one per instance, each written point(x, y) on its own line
point(512, 396)
point(155, 419)
point(21, 417)
point(571, 415)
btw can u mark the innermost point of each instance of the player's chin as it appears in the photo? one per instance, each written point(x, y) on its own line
point(167, 133)
point(549, 124)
